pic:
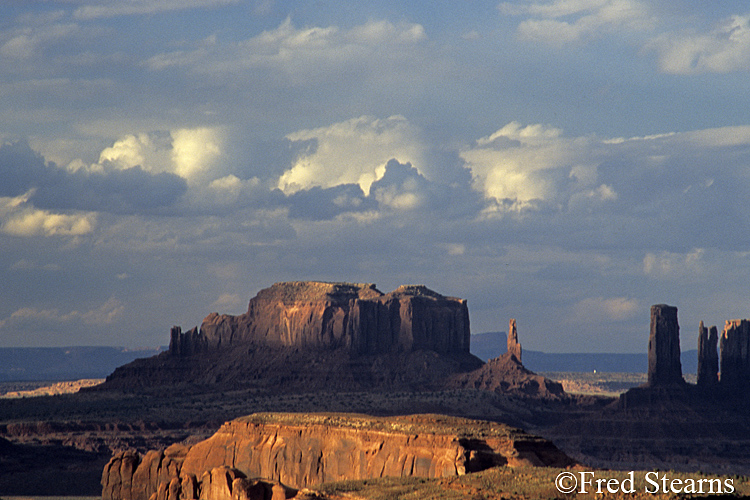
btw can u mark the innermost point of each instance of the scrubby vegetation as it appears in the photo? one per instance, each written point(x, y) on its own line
point(537, 483)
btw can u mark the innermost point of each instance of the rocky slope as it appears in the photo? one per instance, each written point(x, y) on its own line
point(300, 450)
point(506, 374)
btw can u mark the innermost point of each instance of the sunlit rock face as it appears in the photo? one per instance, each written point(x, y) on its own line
point(292, 450)
point(334, 315)
point(308, 336)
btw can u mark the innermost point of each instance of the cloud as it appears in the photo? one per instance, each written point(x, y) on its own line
point(113, 8)
point(724, 49)
point(189, 153)
point(605, 310)
point(571, 21)
point(400, 190)
point(670, 265)
point(26, 42)
point(528, 164)
point(318, 203)
point(303, 56)
point(105, 314)
point(120, 191)
point(149, 151)
point(682, 46)
point(195, 151)
point(228, 302)
point(352, 152)
point(116, 185)
point(401, 187)
point(19, 218)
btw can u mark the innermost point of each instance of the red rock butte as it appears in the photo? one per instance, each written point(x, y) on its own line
point(306, 336)
point(355, 316)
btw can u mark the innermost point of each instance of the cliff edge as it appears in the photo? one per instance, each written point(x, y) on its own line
point(354, 316)
point(291, 451)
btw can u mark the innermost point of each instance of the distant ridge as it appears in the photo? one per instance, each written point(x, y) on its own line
point(492, 344)
point(65, 363)
point(73, 363)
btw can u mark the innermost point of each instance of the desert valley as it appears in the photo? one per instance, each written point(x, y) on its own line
point(338, 390)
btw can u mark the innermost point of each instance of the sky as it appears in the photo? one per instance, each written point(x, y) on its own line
point(567, 163)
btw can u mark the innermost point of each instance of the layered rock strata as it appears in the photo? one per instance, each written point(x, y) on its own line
point(300, 450)
point(357, 317)
point(664, 365)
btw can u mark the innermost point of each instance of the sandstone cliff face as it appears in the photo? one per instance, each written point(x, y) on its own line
point(302, 450)
point(338, 315)
point(156, 476)
point(664, 365)
point(735, 353)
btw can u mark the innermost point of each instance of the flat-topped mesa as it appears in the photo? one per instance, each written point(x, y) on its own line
point(304, 450)
point(356, 316)
point(664, 365)
point(735, 353)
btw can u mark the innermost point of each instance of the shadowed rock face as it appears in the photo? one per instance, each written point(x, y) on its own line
point(735, 354)
point(301, 450)
point(664, 365)
point(708, 356)
point(357, 317)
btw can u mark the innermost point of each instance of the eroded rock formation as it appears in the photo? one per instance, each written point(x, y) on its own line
point(514, 347)
point(158, 476)
point(312, 336)
point(735, 353)
point(334, 315)
point(300, 450)
point(505, 374)
point(708, 356)
point(664, 365)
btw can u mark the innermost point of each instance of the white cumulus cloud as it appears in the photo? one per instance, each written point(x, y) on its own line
point(191, 153)
point(524, 164)
point(353, 152)
point(18, 217)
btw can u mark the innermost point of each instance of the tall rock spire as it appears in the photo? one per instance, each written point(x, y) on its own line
point(664, 365)
point(708, 356)
point(514, 347)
